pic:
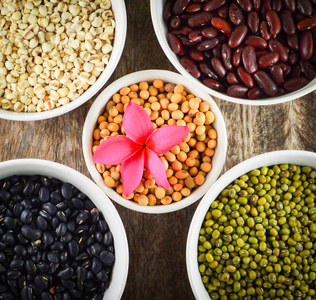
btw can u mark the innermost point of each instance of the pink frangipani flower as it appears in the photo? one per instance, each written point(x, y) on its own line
point(139, 148)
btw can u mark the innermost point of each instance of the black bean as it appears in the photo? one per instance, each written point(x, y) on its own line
point(107, 258)
point(82, 229)
point(66, 238)
point(22, 239)
point(17, 209)
point(9, 222)
point(103, 226)
point(9, 238)
point(82, 217)
point(45, 215)
point(3, 288)
point(99, 237)
point(61, 229)
point(61, 216)
point(71, 226)
point(43, 194)
point(55, 197)
point(62, 206)
point(65, 273)
point(48, 238)
point(57, 246)
point(41, 223)
point(35, 289)
point(68, 284)
point(95, 249)
point(26, 203)
point(36, 202)
point(95, 215)
point(81, 273)
point(82, 256)
point(53, 268)
point(67, 191)
point(20, 250)
point(16, 189)
point(16, 264)
point(96, 265)
point(42, 267)
point(26, 216)
point(45, 181)
point(110, 248)
point(13, 274)
point(103, 275)
point(63, 257)
point(55, 222)
point(2, 257)
point(77, 203)
point(4, 196)
point(50, 208)
point(28, 188)
point(46, 296)
point(26, 293)
point(65, 296)
point(30, 233)
point(108, 238)
point(89, 275)
point(73, 248)
point(53, 257)
point(41, 281)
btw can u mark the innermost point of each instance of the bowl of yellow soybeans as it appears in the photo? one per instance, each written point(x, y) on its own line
point(57, 55)
point(169, 99)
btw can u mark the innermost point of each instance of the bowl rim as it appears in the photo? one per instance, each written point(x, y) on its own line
point(299, 157)
point(98, 107)
point(29, 166)
point(120, 15)
point(156, 9)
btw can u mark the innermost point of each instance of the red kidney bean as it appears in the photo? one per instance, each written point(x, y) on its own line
point(277, 5)
point(185, 41)
point(293, 58)
point(237, 36)
point(237, 56)
point(298, 16)
point(196, 55)
point(222, 25)
point(276, 46)
point(218, 67)
point(223, 11)
point(288, 22)
point(253, 21)
point(294, 84)
point(231, 78)
point(246, 5)
point(196, 36)
point(206, 70)
point(200, 19)
point(217, 52)
point(273, 21)
point(214, 4)
point(292, 41)
point(290, 4)
point(265, 6)
point(268, 60)
point(227, 57)
point(214, 84)
point(249, 59)
point(282, 65)
point(179, 6)
point(245, 77)
point(175, 44)
point(296, 71)
point(194, 8)
point(256, 4)
point(167, 11)
point(182, 30)
point(265, 30)
point(277, 74)
point(237, 90)
point(257, 42)
point(260, 53)
point(175, 22)
point(288, 70)
point(306, 24)
point(305, 7)
point(306, 45)
point(209, 32)
point(255, 93)
point(280, 92)
point(190, 66)
point(235, 14)
point(266, 83)
point(307, 69)
point(207, 44)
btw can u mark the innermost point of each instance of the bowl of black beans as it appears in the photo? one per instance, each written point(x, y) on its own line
point(246, 51)
point(253, 235)
point(60, 236)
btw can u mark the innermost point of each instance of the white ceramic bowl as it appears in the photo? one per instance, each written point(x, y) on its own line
point(302, 158)
point(102, 202)
point(156, 7)
point(98, 108)
point(118, 7)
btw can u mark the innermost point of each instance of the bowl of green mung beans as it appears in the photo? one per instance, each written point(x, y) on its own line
point(253, 235)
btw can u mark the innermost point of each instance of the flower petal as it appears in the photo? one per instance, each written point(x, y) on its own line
point(114, 150)
point(156, 168)
point(137, 123)
point(132, 171)
point(166, 137)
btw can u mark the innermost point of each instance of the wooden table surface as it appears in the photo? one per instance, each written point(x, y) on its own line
point(157, 243)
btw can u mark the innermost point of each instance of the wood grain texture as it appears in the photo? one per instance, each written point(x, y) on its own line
point(157, 242)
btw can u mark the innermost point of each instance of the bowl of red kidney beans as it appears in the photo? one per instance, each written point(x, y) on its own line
point(247, 51)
